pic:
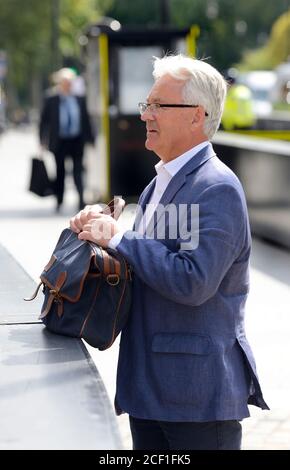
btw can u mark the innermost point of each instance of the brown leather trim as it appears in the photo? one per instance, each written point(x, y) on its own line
point(60, 308)
point(67, 297)
point(114, 208)
point(92, 275)
point(50, 263)
point(106, 259)
point(116, 316)
point(61, 280)
point(112, 264)
point(55, 296)
point(47, 308)
point(28, 299)
point(117, 267)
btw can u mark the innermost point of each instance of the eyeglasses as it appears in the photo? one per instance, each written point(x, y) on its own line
point(154, 107)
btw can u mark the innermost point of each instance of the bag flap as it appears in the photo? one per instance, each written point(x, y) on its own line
point(69, 265)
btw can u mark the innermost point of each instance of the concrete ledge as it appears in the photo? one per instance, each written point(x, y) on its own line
point(15, 284)
point(52, 396)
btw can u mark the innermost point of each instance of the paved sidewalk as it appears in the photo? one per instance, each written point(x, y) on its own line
point(29, 229)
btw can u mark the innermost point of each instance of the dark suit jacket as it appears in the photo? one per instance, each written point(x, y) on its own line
point(49, 123)
point(184, 355)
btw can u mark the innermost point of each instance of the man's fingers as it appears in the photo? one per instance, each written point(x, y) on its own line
point(75, 223)
point(78, 222)
point(92, 214)
point(73, 226)
point(83, 217)
point(86, 235)
point(87, 227)
point(96, 208)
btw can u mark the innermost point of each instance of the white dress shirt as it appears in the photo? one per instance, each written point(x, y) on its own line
point(165, 173)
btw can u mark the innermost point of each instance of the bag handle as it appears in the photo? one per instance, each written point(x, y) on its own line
point(115, 207)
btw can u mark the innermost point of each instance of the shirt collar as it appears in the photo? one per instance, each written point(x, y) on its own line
point(172, 167)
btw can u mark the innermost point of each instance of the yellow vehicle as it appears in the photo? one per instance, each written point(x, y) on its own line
point(238, 111)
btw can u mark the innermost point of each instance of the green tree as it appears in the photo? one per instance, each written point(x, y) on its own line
point(276, 50)
point(26, 35)
point(228, 27)
point(132, 12)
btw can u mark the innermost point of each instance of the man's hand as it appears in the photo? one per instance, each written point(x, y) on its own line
point(99, 229)
point(84, 217)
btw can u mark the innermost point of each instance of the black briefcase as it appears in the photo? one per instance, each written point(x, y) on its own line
point(40, 182)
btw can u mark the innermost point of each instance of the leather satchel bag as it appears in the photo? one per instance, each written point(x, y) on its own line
point(87, 291)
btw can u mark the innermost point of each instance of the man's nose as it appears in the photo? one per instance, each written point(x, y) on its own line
point(147, 115)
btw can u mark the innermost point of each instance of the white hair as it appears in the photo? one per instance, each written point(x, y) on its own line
point(64, 74)
point(204, 85)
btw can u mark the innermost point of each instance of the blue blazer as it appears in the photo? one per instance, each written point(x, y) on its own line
point(184, 355)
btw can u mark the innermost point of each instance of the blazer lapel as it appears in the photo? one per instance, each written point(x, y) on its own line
point(143, 201)
point(178, 181)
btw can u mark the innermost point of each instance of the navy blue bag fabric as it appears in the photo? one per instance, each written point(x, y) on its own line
point(87, 291)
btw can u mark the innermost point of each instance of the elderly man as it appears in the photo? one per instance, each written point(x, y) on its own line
point(186, 372)
point(64, 129)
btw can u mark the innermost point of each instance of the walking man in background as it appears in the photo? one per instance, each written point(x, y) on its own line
point(186, 372)
point(64, 129)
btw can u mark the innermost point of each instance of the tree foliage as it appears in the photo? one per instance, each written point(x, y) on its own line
point(132, 12)
point(276, 50)
point(228, 29)
point(26, 34)
point(74, 16)
point(23, 35)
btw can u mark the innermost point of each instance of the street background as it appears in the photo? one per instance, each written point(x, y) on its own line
point(29, 229)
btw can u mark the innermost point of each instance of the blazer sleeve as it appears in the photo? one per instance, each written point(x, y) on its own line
point(193, 276)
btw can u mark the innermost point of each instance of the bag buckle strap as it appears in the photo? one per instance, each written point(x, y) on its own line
point(113, 279)
point(55, 296)
point(28, 299)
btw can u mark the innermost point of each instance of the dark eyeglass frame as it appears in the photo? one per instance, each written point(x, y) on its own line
point(141, 106)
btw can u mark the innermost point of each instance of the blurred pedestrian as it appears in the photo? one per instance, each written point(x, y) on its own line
point(186, 372)
point(64, 129)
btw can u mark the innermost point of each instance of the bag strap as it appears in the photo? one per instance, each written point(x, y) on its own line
point(115, 207)
point(106, 258)
point(55, 296)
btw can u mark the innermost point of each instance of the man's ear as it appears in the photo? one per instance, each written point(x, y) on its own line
point(198, 117)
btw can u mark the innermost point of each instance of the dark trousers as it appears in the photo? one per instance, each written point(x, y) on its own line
point(73, 148)
point(164, 435)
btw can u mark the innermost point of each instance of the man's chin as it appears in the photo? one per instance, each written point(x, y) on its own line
point(149, 145)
